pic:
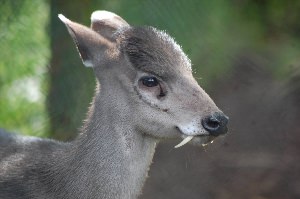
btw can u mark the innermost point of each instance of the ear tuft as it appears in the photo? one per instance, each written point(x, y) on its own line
point(63, 18)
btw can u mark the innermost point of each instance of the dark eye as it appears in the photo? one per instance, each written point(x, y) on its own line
point(149, 81)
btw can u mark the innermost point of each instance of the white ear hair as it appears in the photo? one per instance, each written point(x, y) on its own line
point(106, 23)
point(88, 63)
point(63, 18)
point(102, 15)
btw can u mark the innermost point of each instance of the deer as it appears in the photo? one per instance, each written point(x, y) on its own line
point(145, 93)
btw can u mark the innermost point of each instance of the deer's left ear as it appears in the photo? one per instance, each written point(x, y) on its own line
point(106, 23)
point(88, 42)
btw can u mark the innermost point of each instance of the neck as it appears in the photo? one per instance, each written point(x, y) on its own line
point(110, 158)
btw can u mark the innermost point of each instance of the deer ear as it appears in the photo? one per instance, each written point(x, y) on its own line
point(87, 41)
point(106, 23)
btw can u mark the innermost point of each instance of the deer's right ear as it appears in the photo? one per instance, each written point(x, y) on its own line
point(88, 42)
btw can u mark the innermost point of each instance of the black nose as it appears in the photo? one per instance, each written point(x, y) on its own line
point(216, 124)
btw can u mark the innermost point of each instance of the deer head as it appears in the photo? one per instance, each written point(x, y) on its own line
point(147, 77)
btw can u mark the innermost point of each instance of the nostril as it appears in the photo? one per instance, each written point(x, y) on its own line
point(215, 124)
point(212, 123)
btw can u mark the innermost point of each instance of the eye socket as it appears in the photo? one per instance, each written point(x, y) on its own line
point(149, 81)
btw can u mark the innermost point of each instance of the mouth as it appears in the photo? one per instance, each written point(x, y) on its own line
point(196, 139)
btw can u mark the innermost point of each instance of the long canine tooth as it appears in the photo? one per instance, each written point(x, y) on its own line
point(184, 141)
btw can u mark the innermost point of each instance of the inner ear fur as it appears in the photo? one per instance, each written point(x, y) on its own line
point(106, 23)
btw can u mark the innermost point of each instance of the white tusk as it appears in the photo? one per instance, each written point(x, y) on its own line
point(184, 141)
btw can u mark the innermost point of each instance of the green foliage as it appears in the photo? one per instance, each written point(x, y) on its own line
point(277, 24)
point(23, 60)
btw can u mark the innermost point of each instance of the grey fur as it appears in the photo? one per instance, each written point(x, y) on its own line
point(111, 156)
point(147, 48)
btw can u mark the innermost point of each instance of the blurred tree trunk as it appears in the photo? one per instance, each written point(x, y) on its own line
point(71, 85)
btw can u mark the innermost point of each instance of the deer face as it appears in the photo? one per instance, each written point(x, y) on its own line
point(165, 101)
point(171, 102)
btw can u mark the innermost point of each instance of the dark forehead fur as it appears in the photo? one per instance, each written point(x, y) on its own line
point(154, 51)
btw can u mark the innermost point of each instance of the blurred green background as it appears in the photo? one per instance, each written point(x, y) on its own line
point(45, 89)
